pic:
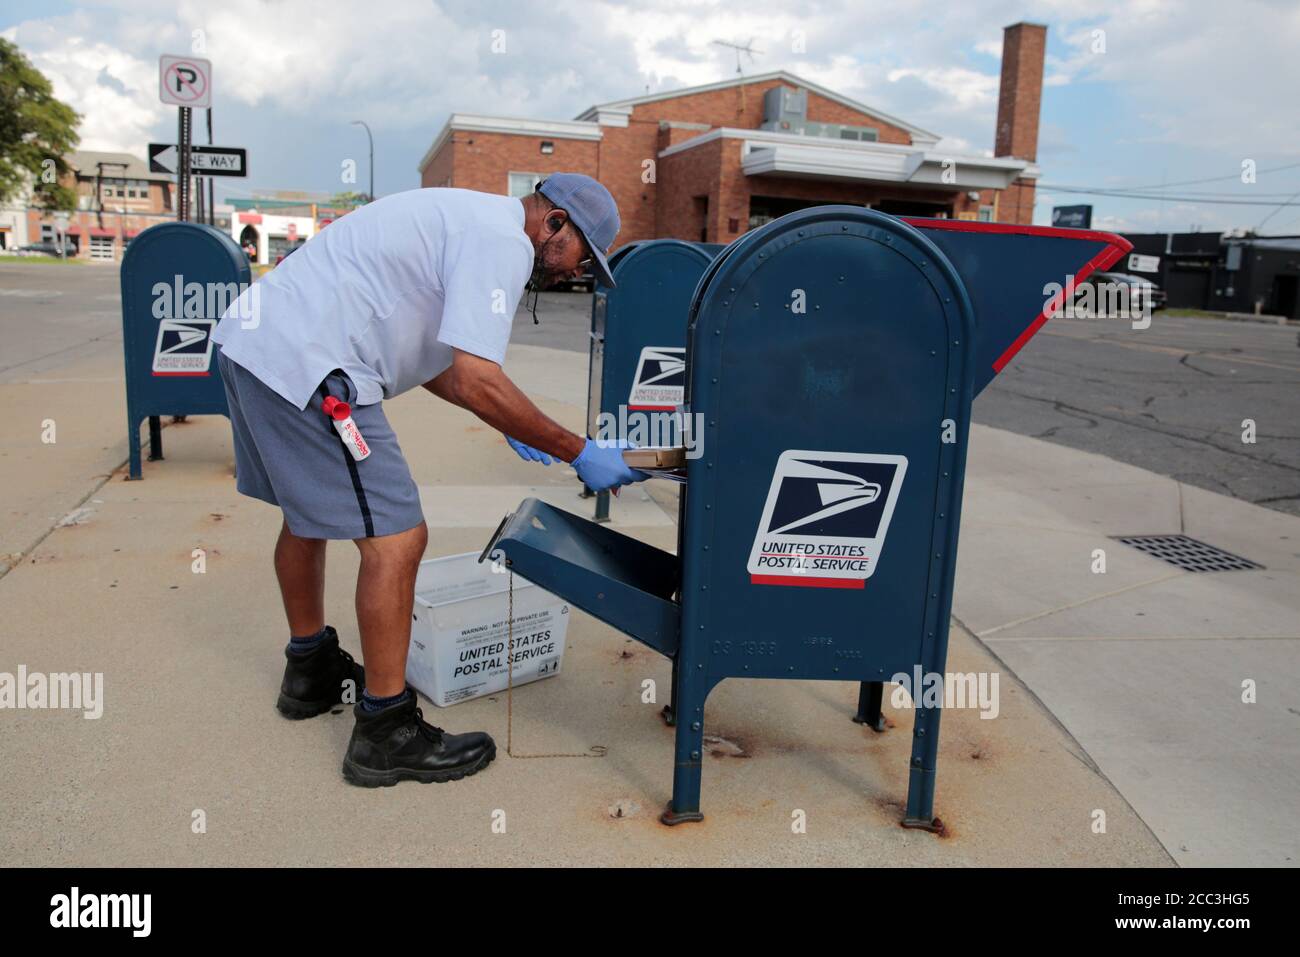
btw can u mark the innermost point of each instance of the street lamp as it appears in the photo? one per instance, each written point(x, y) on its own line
point(372, 157)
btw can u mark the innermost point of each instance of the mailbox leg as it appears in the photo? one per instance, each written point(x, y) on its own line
point(602, 506)
point(920, 786)
point(688, 749)
point(155, 438)
point(870, 696)
point(133, 447)
point(669, 712)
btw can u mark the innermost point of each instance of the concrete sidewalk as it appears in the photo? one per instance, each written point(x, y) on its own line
point(1159, 742)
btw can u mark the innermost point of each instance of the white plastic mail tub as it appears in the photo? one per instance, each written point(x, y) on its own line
point(458, 631)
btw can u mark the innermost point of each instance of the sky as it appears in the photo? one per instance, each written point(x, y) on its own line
point(1175, 97)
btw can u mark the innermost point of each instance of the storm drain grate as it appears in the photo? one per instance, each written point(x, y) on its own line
point(1188, 553)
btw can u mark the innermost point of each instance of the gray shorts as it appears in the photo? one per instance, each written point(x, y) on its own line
point(295, 459)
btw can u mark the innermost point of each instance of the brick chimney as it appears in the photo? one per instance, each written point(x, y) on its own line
point(1020, 93)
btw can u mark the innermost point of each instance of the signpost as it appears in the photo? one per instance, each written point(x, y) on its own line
point(208, 160)
point(61, 223)
point(185, 82)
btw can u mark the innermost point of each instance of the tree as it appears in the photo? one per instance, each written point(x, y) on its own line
point(348, 200)
point(36, 132)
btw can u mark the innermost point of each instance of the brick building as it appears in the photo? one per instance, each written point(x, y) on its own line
point(117, 198)
point(710, 162)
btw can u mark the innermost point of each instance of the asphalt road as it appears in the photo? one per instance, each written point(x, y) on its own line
point(53, 314)
point(1171, 398)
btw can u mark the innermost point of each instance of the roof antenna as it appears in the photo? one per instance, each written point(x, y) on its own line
point(747, 48)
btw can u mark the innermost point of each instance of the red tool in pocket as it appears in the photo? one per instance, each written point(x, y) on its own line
point(340, 413)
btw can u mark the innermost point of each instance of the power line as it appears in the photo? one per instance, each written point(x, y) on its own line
point(1134, 191)
point(1163, 197)
point(1211, 179)
point(1276, 211)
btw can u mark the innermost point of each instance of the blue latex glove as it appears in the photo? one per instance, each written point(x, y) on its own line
point(528, 453)
point(601, 466)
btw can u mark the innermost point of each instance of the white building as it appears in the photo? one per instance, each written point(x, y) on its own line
point(270, 232)
point(13, 219)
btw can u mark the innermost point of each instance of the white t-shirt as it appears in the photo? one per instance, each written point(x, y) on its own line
point(384, 293)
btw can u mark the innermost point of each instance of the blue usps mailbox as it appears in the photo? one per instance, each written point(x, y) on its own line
point(177, 278)
point(638, 336)
point(832, 357)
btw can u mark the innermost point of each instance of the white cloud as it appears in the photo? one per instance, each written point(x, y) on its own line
point(1180, 86)
point(102, 82)
point(965, 88)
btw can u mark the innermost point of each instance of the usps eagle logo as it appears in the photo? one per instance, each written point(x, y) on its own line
point(825, 518)
point(660, 380)
point(184, 347)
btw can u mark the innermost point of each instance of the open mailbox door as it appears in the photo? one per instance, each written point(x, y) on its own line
point(832, 357)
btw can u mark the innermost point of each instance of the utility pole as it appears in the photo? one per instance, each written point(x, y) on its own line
point(371, 194)
point(99, 196)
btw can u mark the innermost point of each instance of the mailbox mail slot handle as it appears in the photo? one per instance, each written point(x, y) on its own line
point(495, 536)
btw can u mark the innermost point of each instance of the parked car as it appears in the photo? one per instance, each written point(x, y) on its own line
point(289, 250)
point(45, 249)
point(1140, 291)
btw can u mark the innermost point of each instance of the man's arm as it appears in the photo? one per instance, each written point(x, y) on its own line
point(480, 386)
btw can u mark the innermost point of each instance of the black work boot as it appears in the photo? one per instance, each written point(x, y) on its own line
point(397, 744)
point(313, 683)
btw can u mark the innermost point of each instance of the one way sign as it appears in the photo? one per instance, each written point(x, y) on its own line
point(204, 160)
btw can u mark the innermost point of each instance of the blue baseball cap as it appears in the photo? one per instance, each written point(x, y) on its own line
point(592, 211)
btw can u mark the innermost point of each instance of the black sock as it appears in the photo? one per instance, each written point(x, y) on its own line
point(370, 703)
point(301, 646)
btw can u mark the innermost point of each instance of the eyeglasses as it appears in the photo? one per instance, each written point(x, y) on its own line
point(585, 245)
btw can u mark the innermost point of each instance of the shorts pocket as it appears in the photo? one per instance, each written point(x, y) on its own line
point(340, 385)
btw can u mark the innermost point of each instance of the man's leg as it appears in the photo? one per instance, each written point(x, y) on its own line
point(300, 568)
point(391, 741)
point(318, 674)
point(385, 596)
